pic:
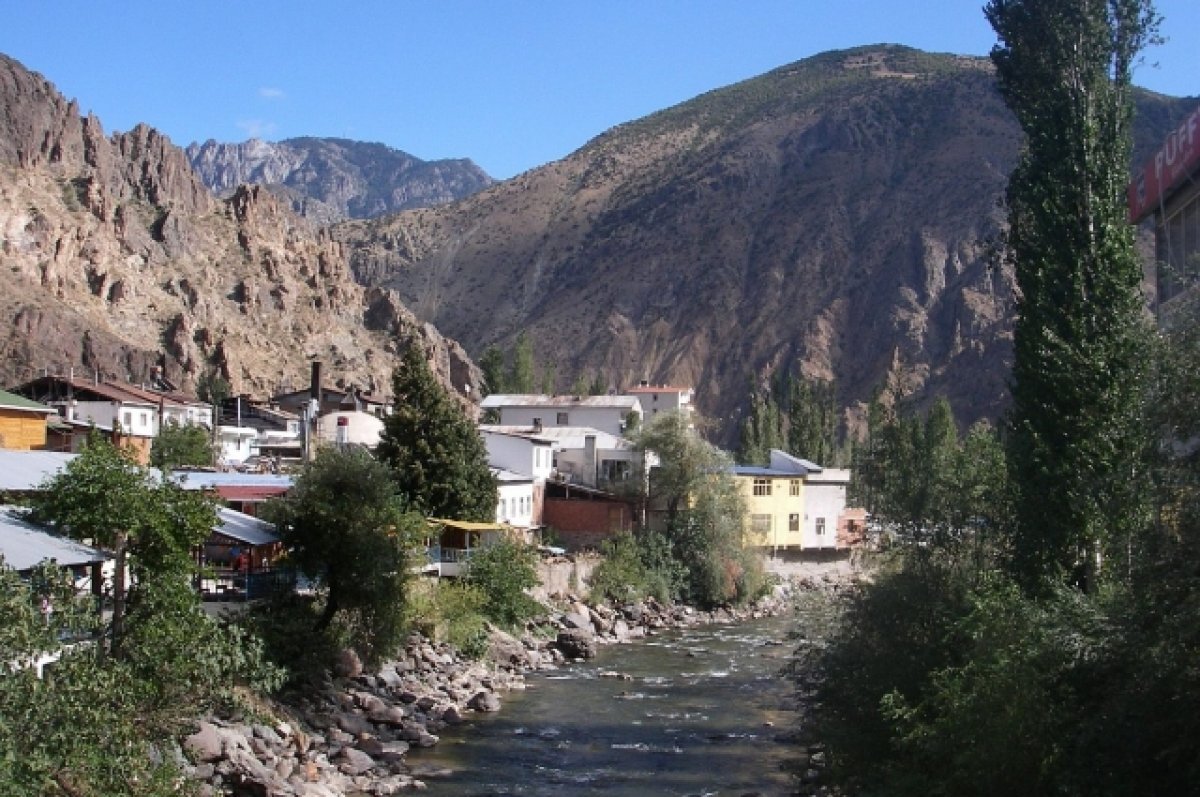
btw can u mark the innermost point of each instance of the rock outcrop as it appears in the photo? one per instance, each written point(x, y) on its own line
point(332, 179)
point(118, 260)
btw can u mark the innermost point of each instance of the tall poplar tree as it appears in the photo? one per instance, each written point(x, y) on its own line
point(1075, 445)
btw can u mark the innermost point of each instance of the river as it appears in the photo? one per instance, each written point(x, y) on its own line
point(691, 712)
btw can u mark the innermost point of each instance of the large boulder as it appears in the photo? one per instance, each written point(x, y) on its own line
point(576, 643)
point(485, 701)
point(205, 744)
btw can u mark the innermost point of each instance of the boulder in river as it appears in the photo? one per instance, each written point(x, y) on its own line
point(576, 643)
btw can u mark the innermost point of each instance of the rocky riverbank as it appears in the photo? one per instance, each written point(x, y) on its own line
point(350, 734)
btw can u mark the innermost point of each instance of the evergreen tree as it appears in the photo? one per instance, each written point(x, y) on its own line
point(521, 377)
point(1076, 447)
point(436, 453)
point(492, 366)
point(812, 420)
point(762, 429)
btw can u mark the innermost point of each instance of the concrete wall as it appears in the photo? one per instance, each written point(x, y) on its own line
point(562, 576)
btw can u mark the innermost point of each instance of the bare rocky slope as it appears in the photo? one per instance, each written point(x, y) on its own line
point(116, 258)
point(332, 179)
point(837, 217)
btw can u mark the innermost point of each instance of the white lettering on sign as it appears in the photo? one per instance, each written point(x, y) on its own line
point(1179, 147)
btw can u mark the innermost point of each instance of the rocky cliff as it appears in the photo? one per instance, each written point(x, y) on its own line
point(837, 217)
point(331, 179)
point(117, 258)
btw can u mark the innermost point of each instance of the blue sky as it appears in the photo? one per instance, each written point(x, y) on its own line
point(511, 85)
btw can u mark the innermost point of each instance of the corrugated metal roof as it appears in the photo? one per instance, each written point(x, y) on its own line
point(755, 470)
point(23, 544)
point(26, 470)
point(11, 401)
point(498, 400)
point(244, 528)
point(510, 477)
point(206, 480)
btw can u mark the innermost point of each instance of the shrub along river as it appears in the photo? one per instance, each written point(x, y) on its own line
point(689, 712)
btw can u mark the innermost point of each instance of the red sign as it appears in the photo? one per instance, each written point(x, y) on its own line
point(1179, 156)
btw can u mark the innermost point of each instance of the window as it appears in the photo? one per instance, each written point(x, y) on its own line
point(615, 470)
point(820, 526)
point(145, 418)
point(127, 420)
point(503, 508)
point(793, 522)
point(762, 486)
point(561, 419)
point(794, 487)
point(760, 524)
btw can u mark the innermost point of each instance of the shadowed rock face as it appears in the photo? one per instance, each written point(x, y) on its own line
point(837, 217)
point(117, 258)
point(332, 179)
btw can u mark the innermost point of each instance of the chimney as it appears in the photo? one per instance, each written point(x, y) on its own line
point(314, 388)
point(589, 460)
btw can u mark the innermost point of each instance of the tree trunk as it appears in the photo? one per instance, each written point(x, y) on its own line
point(121, 555)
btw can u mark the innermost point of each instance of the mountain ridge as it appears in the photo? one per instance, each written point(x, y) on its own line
point(332, 179)
point(119, 260)
point(835, 217)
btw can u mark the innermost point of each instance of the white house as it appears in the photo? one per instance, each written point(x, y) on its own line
point(609, 414)
point(350, 427)
point(824, 498)
point(515, 505)
point(236, 444)
point(593, 458)
point(519, 449)
point(657, 399)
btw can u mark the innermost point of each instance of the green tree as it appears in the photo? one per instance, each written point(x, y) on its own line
point(178, 446)
point(503, 572)
point(521, 377)
point(703, 513)
point(105, 498)
point(549, 379)
point(762, 429)
point(93, 725)
point(346, 529)
point(493, 367)
point(812, 420)
point(437, 456)
point(1076, 447)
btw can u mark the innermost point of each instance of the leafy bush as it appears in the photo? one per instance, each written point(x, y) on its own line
point(451, 611)
point(502, 573)
point(622, 576)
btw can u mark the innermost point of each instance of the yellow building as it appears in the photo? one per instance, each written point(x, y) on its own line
point(774, 506)
point(22, 423)
point(793, 504)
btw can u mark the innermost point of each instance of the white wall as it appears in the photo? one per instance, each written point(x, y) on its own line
point(515, 504)
point(606, 419)
point(519, 454)
point(824, 498)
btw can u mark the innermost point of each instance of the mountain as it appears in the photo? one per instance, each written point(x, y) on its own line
point(118, 259)
point(331, 179)
point(837, 217)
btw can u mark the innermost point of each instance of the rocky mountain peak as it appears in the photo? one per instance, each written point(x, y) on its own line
point(331, 179)
point(121, 261)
